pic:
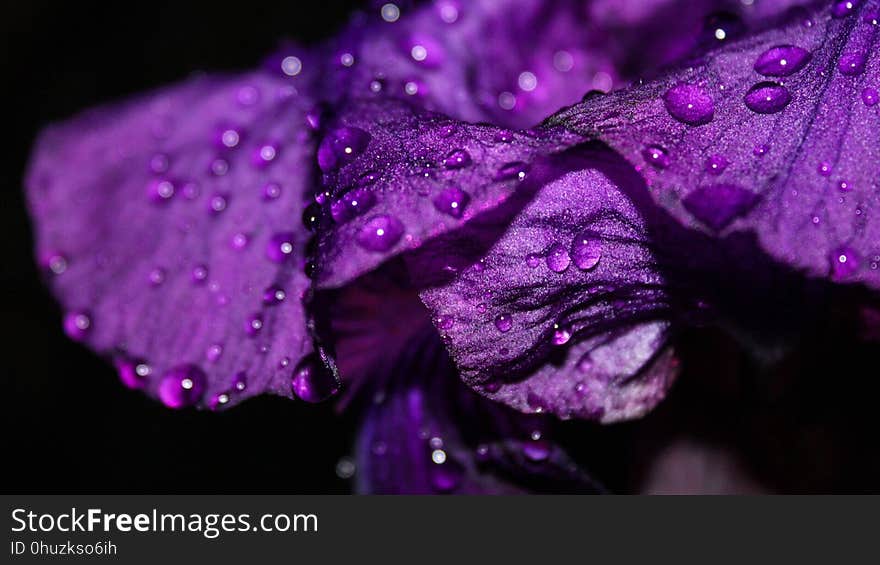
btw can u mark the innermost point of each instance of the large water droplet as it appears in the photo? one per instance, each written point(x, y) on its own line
point(561, 334)
point(767, 98)
point(352, 204)
point(341, 146)
point(312, 381)
point(718, 205)
point(690, 104)
point(586, 250)
point(452, 201)
point(380, 233)
point(557, 258)
point(182, 386)
point(515, 169)
point(782, 61)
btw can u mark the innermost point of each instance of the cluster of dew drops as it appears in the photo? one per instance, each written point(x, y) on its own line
point(692, 104)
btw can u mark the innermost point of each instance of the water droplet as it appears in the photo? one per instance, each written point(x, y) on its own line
point(280, 246)
point(214, 352)
point(761, 150)
point(312, 381)
point(824, 169)
point(182, 386)
point(557, 258)
point(561, 334)
point(390, 12)
point(160, 190)
point(271, 191)
point(852, 64)
point(843, 8)
point(345, 468)
point(782, 61)
point(515, 169)
point(870, 96)
point(311, 216)
point(452, 201)
point(57, 264)
point(133, 372)
point(341, 146)
point(716, 164)
point(844, 186)
point(159, 163)
point(533, 260)
point(503, 322)
point(239, 240)
point(656, 156)
point(239, 381)
point(457, 159)
point(219, 400)
point(444, 322)
point(380, 233)
point(199, 274)
point(253, 325)
point(291, 65)
point(586, 250)
point(718, 205)
point(217, 203)
point(77, 325)
point(767, 98)
point(265, 154)
point(690, 104)
point(353, 203)
point(273, 295)
point(844, 263)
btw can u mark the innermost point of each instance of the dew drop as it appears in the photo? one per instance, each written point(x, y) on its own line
point(352, 204)
point(718, 205)
point(557, 258)
point(782, 61)
point(852, 64)
point(253, 325)
point(380, 233)
point(716, 164)
point(341, 146)
point(767, 98)
point(656, 156)
point(457, 159)
point(533, 260)
point(133, 372)
point(515, 169)
point(182, 386)
point(312, 381)
point(452, 201)
point(199, 274)
point(586, 250)
point(503, 322)
point(870, 96)
point(844, 8)
point(57, 264)
point(280, 246)
point(690, 104)
point(271, 191)
point(824, 169)
point(844, 263)
point(561, 334)
point(77, 325)
point(273, 295)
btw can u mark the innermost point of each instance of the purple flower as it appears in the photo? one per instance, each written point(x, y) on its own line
point(368, 214)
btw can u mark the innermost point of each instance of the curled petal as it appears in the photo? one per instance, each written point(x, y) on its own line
point(567, 311)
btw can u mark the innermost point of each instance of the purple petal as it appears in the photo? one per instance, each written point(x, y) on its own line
point(398, 190)
point(566, 312)
point(794, 160)
point(508, 62)
point(152, 220)
point(428, 434)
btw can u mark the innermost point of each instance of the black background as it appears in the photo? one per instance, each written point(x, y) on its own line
point(68, 423)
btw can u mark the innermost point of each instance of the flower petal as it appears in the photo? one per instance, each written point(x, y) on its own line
point(170, 228)
point(567, 311)
point(428, 434)
point(775, 134)
point(396, 177)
